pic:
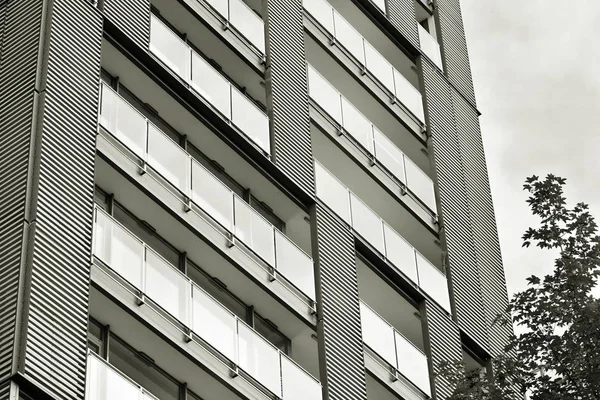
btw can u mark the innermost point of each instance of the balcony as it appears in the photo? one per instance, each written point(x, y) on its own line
point(381, 150)
point(210, 85)
point(104, 382)
point(236, 15)
point(204, 196)
point(395, 349)
point(159, 285)
point(388, 243)
point(430, 46)
point(366, 57)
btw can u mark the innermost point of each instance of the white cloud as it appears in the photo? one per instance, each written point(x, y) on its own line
point(535, 70)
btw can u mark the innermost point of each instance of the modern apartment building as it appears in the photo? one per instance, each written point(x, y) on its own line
point(241, 199)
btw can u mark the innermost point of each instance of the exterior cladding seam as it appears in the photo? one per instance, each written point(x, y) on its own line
point(287, 84)
point(21, 33)
point(444, 345)
point(454, 213)
point(402, 15)
point(483, 221)
point(454, 47)
point(62, 240)
point(132, 17)
point(340, 308)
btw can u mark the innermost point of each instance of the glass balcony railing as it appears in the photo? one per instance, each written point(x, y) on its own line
point(206, 192)
point(208, 83)
point(236, 14)
point(430, 46)
point(389, 243)
point(164, 285)
point(380, 4)
point(104, 382)
point(366, 55)
point(394, 348)
point(371, 139)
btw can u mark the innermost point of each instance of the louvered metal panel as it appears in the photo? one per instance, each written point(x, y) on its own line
point(455, 218)
point(287, 92)
point(340, 337)
point(55, 339)
point(132, 17)
point(483, 221)
point(401, 14)
point(454, 46)
point(442, 344)
point(21, 32)
point(5, 390)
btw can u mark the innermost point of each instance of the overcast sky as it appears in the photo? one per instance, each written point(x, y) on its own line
point(536, 67)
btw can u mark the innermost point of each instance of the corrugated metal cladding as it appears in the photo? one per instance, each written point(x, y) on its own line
point(5, 391)
point(339, 308)
point(442, 343)
point(401, 14)
point(132, 17)
point(455, 219)
point(55, 352)
point(287, 92)
point(483, 221)
point(21, 32)
point(454, 47)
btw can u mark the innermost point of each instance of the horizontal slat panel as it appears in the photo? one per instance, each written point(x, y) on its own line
point(443, 345)
point(454, 47)
point(132, 17)
point(62, 242)
point(287, 87)
point(344, 358)
point(455, 212)
point(20, 23)
point(402, 15)
point(483, 221)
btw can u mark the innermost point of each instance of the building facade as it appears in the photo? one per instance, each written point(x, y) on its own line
point(241, 199)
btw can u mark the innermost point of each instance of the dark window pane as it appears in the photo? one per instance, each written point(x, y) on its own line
point(143, 233)
point(217, 291)
point(141, 371)
point(271, 334)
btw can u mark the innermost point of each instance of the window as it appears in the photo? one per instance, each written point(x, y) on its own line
point(95, 337)
point(142, 369)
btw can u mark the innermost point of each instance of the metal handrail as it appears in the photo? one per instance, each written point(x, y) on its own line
point(192, 285)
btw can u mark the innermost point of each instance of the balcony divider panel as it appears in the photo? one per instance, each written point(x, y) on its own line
point(287, 91)
point(132, 17)
point(442, 343)
point(20, 29)
point(339, 330)
point(454, 47)
point(402, 15)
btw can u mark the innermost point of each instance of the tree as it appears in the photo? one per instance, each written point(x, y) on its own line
point(556, 354)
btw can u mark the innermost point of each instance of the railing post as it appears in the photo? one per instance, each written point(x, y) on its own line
point(142, 297)
point(341, 103)
point(364, 49)
point(142, 170)
point(404, 188)
point(231, 242)
point(384, 239)
point(273, 269)
point(333, 39)
point(373, 159)
point(188, 187)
